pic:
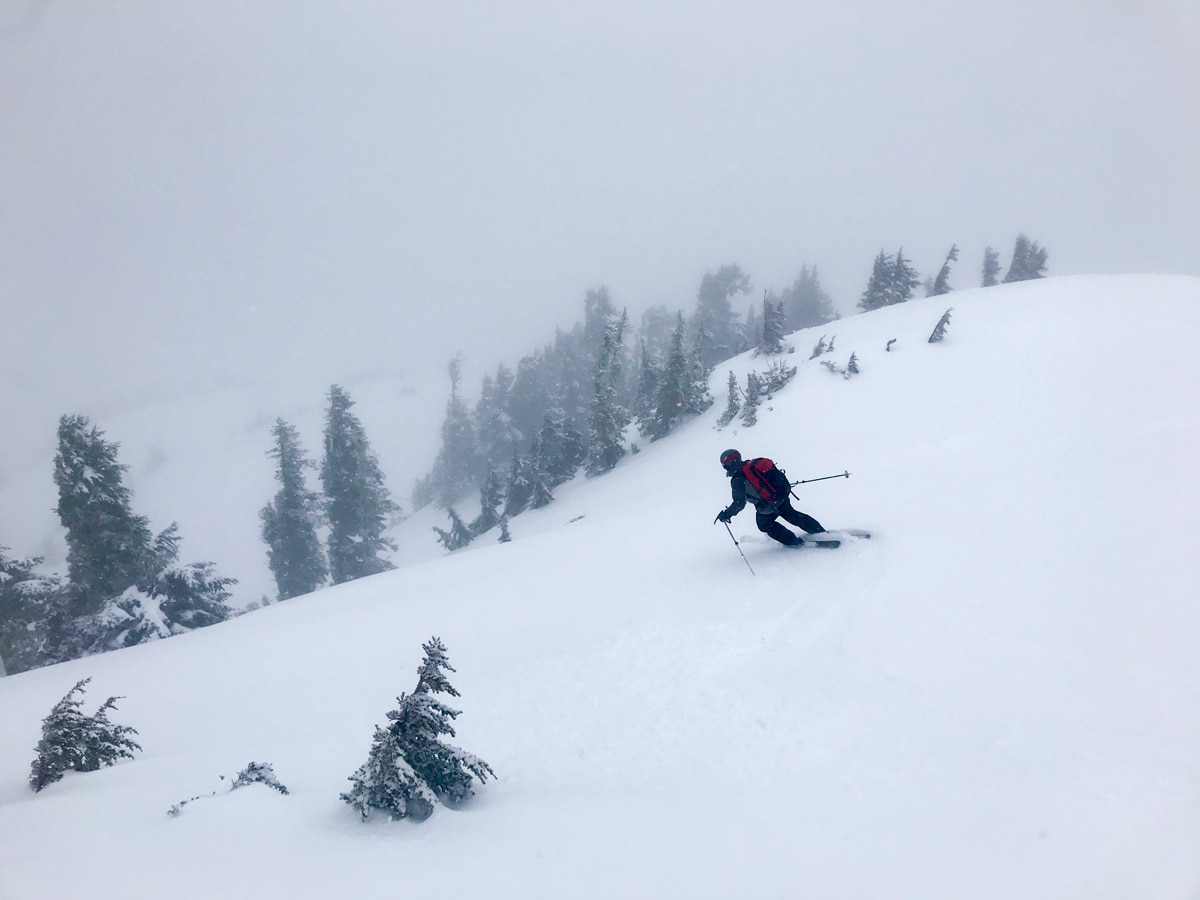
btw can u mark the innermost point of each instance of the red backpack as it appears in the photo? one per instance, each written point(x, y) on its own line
point(768, 480)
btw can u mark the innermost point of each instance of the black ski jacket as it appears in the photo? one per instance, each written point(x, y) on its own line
point(743, 492)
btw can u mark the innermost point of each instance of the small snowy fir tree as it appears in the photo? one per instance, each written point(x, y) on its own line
point(991, 268)
point(939, 330)
point(776, 377)
point(72, 740)
point(459, 534)
point(671, 397)
point(1028, 261)
point(607, 417)
point(733, 404)
point(491, 495)
point(941, 284)
point(357, 502)
point(750, 407)
point(193, 596)
point(289, 521)
point(29, 604)
point(521, 477)
point(505, 536)
point(852, 365)
point(254, 773)
point(457, 465)
point(774, 325)
point(818, 347)
point(409, 769)
point(805, 303)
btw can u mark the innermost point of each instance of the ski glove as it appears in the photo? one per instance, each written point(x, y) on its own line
point(725, 516)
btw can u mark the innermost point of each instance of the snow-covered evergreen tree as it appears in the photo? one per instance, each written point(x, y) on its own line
point(192, 596)
point(491, 496)
point(498, 437)
point(608, 417)
point(108, 547)
point(776, 377)
point(357, 502)
point(29, 604)
point(410, 769)
point(457, 466)
point(753, 396)
point(1028, 261)
point(893, 280)
point(530, 395)
point(752, 329)
point(774, 326)
point(991, 267)
point(289, 520)
point(559, 448)
point(805, 303)
point(733, 403)
point(72, 740)
point(904, 279)
point(941, 284)
point(673, 386)
point(939, 330)
point(123, 587)
point(717, 333)
point(649, 375)
point(458, 536)
point(598, 315)
point(878, 292)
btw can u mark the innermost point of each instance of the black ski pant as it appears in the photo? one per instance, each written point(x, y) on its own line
point(765, 519)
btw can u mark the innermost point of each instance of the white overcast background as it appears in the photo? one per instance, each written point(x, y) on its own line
point(211, 193)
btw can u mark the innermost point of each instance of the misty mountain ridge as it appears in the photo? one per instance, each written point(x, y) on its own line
point(992, 697)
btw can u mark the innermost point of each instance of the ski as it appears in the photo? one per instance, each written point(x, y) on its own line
point(822, 543)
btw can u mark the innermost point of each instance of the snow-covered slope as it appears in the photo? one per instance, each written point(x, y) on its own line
point(994, 697)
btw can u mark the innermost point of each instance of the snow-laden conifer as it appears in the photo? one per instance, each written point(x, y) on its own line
point(1028, 261)
point(941, 284)
point(73, 740)
point(753, 396)
point(108, 547)
point(457, 466)
point(774, 326)
point(289, 521)
point(491, 497)
point(124, 586)
point(733, 403)
point(28, 601)
point(991, 268)
point(607, 417)
point(805, 303)
point(939, 330)
point(674, 388)
point(716, 326)
point(409, 768)
point(459, 534)
point(357, 502)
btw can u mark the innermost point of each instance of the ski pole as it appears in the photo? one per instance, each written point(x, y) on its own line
point(739, 548)
point(825, 478)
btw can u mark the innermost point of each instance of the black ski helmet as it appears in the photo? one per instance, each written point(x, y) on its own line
point(731, 459)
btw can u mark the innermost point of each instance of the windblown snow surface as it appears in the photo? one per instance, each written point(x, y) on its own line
point(998, 696)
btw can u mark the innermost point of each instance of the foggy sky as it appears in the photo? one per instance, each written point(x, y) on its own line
point(196, 193)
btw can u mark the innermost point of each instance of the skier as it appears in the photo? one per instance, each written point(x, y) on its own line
point(760, 482)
